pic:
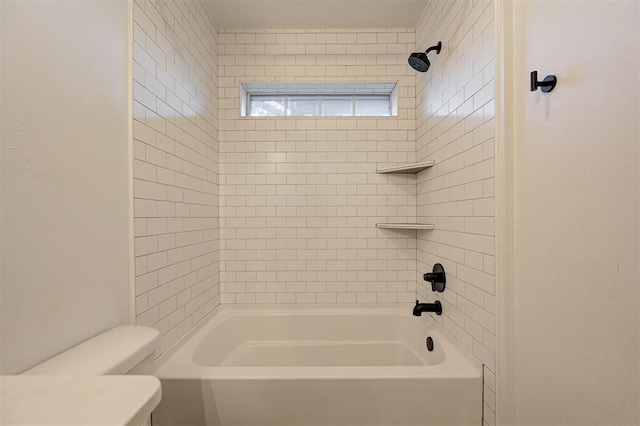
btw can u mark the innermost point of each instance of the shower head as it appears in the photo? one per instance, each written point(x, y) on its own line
point(419, 60)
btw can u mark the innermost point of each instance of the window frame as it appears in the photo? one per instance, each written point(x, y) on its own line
point(320, 107)
point(389, 90)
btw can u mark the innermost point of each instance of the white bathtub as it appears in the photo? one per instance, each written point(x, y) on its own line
point(318, 365)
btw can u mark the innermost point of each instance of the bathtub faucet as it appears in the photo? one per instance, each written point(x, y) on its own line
point(427, 307)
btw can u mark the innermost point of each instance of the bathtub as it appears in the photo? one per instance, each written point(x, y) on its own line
point(318, 365)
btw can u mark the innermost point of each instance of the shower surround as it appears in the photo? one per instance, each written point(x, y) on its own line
point(299, 196)
point(455, 127)
point(175, 165)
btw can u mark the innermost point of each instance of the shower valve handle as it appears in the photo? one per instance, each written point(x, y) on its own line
point(437, 278)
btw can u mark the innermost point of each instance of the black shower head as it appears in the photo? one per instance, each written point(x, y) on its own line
point(419, 60)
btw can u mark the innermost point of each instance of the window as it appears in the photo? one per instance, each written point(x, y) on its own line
point(319, 99)
point(318, 105)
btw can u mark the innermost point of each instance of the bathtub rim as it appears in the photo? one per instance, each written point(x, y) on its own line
point(177, 361)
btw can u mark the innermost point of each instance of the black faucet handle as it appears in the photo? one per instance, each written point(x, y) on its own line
point(434, 276)
point(437, 278)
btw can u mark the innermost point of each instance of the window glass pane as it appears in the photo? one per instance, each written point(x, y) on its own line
point(266, 106)
point(303, 106)
point(372, 105)
point(337, 106)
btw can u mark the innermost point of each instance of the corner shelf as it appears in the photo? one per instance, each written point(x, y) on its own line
point(407, 168)
point(405, 226)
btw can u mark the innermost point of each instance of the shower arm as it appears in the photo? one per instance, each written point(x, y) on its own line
point(437, 48)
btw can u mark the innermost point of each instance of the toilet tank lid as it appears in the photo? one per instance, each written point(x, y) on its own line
point(113, 352)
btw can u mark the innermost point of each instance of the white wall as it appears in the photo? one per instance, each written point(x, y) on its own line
point(299, 195)
point(455, 127)
point(571, 348)
point(65, 196)
point(175, 167)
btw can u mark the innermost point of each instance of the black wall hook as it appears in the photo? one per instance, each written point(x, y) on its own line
point(546, 85)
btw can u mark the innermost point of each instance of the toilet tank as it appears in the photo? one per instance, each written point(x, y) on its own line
point(129, 349)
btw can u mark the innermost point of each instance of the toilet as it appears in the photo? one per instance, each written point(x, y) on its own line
point(128, 349)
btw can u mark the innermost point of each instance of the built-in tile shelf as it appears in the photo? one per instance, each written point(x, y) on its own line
point(405, 226)
point(407, 168)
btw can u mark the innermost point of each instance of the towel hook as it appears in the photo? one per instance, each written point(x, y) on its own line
point(546, 85)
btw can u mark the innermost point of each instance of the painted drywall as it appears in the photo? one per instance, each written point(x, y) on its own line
point(65, 180)
point(175, 165)
point(300, 196)
point(455, 127)
point(571, 347)
point(245, 14)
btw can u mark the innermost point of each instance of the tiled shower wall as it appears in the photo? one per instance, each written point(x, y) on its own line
point(455, 127)
point(299, 196)
point(175, 165)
